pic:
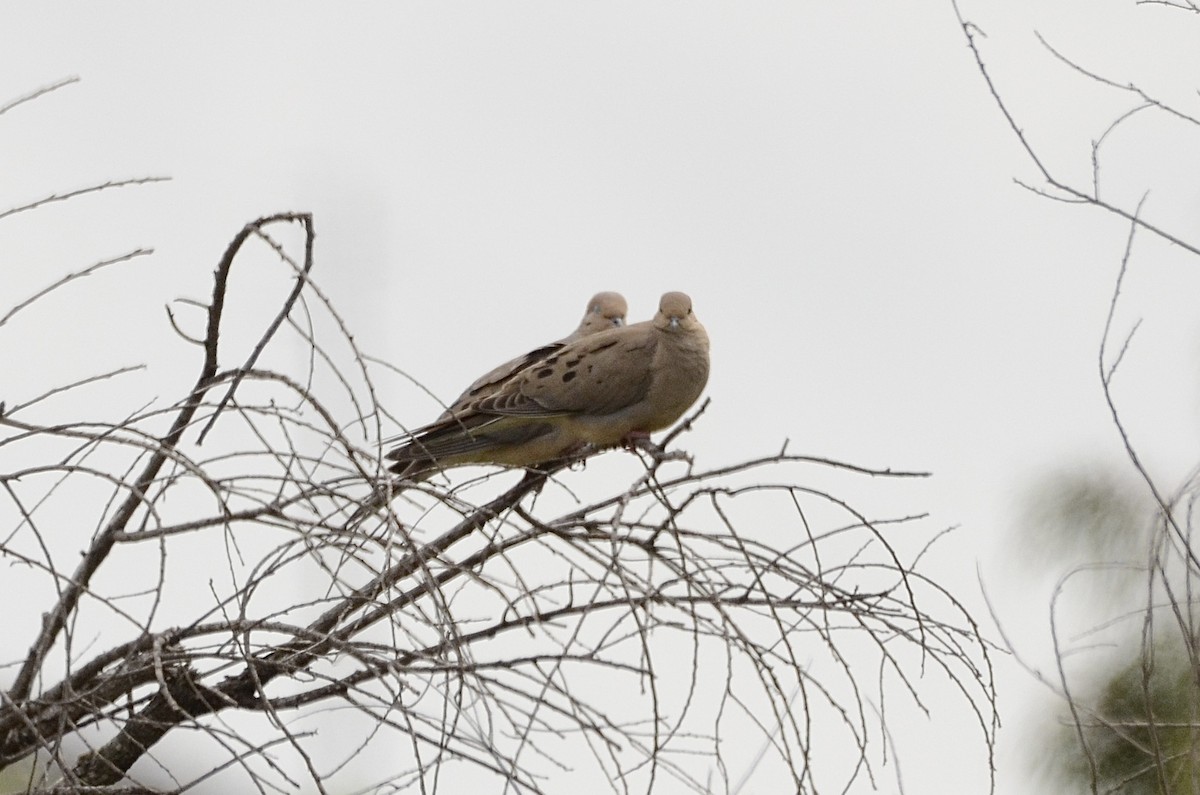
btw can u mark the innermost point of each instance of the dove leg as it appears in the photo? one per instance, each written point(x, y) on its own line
point(635, 440)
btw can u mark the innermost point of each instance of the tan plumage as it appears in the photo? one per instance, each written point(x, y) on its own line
point(604, 311)
point(604, 389)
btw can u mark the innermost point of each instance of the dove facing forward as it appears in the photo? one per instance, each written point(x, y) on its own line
point(604, 311)
point(603, 390)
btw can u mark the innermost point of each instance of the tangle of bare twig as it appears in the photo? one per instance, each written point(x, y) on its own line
point(737, 621)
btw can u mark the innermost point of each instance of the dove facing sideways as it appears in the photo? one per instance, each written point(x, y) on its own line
point(605, 389)
point(604, 311)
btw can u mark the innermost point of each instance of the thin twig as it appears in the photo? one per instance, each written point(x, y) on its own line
point(70, 277)
point(40, 92)
point(60, 197)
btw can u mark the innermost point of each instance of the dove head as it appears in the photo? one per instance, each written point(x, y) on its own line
point(675, 312)
point(605, 311)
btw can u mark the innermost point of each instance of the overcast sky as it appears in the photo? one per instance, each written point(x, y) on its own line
point(831, 182)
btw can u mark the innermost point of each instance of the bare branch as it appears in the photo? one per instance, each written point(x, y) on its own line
point(218, 302)
point(59, 197)
point(70, 277)
point(463, 633)
point(1147, 100)
point(40, 92)
point(970, 31)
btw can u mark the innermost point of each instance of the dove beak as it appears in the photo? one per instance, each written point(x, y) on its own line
point(618, 322)
point(674, 322)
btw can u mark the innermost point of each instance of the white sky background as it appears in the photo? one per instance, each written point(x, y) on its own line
point(830, 182)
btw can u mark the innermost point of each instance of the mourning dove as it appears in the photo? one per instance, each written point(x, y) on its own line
point(604, 311)
point(604, 389)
